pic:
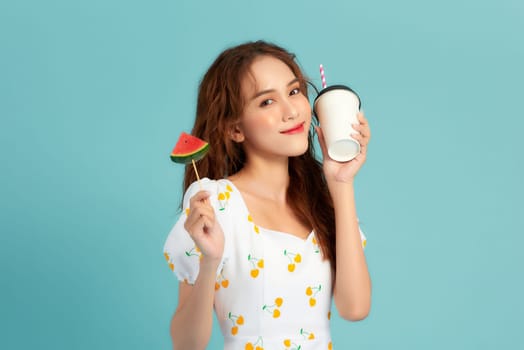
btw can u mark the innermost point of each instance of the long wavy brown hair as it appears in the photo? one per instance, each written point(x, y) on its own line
point(219, 108)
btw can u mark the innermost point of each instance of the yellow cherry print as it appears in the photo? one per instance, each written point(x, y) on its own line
point(329, 315)
point(254, 263)
point(312, 291)
point(273, 309)
point(166, 256)
point(221, 281)
point(306, 334)
point(330, 346)
point(235, 320)
point(228, 188)
point(255, 227)
point(187, 211)
point(315, 245)
point(257, 345)
point(287, 343)
point(223, 198)
point(171, 266)
point(195, 251)
point(294, 258)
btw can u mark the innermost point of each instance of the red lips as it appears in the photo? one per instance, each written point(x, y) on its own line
point(294, 130)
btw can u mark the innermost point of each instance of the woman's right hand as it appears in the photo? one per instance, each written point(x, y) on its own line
point(203, 227)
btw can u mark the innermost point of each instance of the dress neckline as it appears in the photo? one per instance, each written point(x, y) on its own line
point(246, 209)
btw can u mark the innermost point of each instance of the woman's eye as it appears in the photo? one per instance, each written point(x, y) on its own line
point(266, 102)
point(295, 91)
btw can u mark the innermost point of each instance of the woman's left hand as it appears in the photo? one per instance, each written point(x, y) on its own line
point(345, 172)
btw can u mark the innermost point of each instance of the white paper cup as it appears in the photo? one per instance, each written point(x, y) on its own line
point(337, 107)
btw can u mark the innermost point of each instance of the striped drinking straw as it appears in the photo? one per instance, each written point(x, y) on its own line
point(323, 77)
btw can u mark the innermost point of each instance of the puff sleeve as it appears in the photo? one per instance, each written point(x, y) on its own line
point(362, 237)
point(180, 251)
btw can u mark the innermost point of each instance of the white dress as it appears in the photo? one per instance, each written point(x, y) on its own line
point(273, 289)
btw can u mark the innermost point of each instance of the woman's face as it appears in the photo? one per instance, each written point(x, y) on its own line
point(277, 115)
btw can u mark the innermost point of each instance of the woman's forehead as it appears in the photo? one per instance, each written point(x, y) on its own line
point(266, 73)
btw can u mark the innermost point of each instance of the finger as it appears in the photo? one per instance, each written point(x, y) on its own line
point(192, 224)
point(361, 118)
point(363, 130)
point(364, 122)
point(200, 196)
point(205, 224)
point(199, 203)
point(360, 139)
point(361, 157)
point(363, 150)
point(199, 206)
point(198, 227)
point(201, 211)
point(207, 210)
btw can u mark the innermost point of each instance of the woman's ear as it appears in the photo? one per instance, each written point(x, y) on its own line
point(236, 133)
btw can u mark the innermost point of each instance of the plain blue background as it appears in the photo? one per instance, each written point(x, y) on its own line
point(95, 93)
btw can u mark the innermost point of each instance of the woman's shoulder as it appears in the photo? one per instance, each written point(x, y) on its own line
point(210, 185)
point(222, 192)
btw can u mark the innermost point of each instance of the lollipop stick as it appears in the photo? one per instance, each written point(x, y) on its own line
point(196, 172)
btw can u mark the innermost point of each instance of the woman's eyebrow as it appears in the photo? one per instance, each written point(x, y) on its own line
point(260, 93)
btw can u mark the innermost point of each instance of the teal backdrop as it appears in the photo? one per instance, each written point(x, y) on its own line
point(95, 93)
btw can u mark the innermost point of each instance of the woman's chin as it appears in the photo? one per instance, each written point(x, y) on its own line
point(299, 151)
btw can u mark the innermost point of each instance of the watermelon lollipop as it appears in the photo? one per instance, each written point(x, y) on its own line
point(189, 149)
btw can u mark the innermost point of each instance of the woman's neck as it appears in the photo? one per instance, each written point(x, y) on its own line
point(266, 179)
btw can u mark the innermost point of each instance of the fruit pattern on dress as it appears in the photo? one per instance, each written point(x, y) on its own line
point(272, 290)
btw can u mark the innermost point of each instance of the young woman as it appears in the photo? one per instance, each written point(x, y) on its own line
point(270, 235)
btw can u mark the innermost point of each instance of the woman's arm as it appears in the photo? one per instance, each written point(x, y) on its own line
point(352, 291)
point(192, 322)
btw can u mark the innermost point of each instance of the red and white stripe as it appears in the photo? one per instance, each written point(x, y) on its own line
point(323, 77)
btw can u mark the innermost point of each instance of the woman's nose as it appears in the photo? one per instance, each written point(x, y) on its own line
point(290, 111)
